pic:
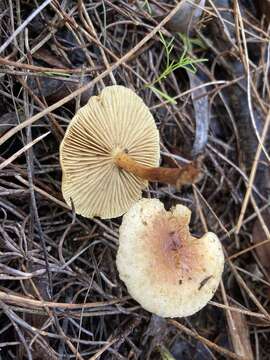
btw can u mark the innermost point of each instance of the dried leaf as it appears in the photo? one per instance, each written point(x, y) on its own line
point(201, 108)
point(186, 17)
point(259, 235)
point(52, 60)
point(240, 336)
point(8, 120)
point(265, 8)
point(54, 89)
point(157, 328)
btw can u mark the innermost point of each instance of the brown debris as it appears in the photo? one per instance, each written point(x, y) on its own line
point(52, 60)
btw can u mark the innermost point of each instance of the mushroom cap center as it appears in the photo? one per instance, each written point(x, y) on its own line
point(175, 253)
point(118, 150)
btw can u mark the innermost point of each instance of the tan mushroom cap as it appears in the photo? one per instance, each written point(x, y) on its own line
point(116, 120)
point(168, 271)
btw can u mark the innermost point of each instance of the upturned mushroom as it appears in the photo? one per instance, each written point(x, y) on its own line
point(109, 153)
point(167, 270)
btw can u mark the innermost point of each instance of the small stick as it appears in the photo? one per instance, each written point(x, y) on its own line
point(23, 25)
point(22, 150)
point(206, 342)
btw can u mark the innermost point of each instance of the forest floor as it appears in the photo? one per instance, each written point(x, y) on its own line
point(203, 70)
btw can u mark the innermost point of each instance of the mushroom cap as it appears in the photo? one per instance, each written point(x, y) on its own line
point(168, 271)
point(116, 120)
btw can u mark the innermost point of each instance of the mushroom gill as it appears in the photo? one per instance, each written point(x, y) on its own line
point(115, 121)
point(109, 153)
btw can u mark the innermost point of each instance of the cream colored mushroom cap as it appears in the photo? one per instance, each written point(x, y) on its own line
point(169, 272)
point(116, 120)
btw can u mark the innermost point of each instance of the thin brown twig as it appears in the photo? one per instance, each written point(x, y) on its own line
point(206, 342)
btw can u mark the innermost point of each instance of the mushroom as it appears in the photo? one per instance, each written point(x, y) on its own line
point(167, 270)
point(109, 153)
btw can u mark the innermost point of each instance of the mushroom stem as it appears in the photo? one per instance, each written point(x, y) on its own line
point(188, 174)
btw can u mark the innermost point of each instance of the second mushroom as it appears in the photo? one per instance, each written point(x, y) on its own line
point(166, 269)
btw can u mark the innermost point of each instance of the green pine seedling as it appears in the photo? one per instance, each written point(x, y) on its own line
point(184, 62)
